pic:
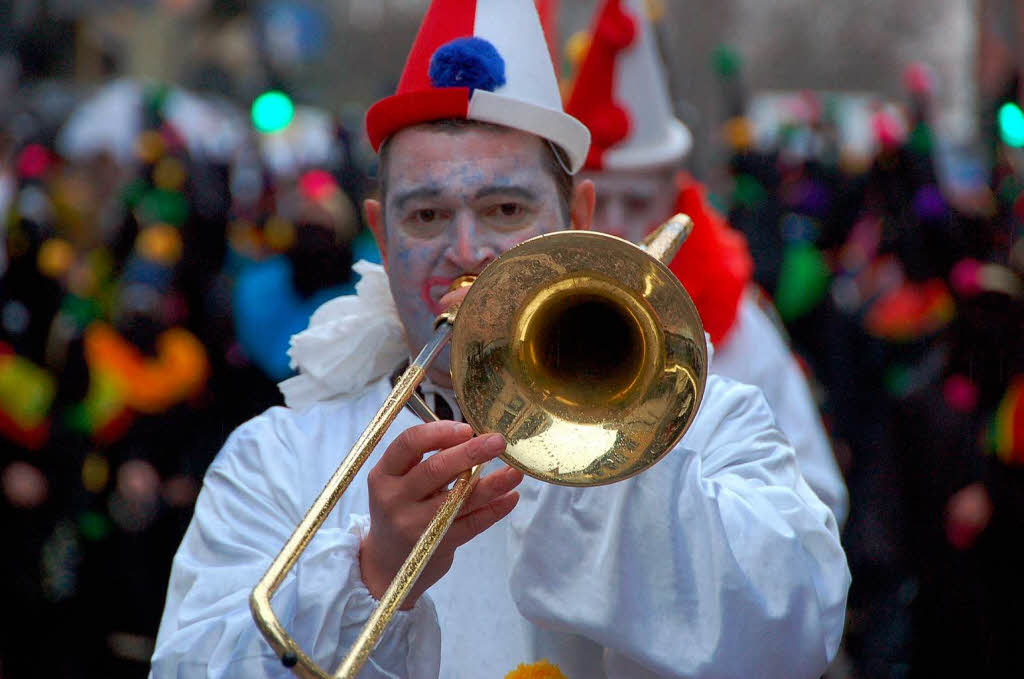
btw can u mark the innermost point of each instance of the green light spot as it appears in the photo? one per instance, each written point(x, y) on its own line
point(726, 61)
point(159, 205)
point(1011, 125)
point(747, 191)
point(897, 380)
point(272, 112)
point(920, 141)
point(94, 526)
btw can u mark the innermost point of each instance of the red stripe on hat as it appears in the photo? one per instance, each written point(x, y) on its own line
point(592, 100)
point(445, 21)
point(389, 115)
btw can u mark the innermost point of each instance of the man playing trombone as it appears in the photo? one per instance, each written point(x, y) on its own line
point(719, 561)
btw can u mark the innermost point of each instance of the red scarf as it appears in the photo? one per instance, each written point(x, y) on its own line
point(713, 265)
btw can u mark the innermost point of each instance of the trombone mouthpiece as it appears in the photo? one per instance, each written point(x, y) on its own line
point(448, 315)
point(463, 281)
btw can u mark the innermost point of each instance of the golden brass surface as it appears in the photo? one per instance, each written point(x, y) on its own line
point(584, 352)
point(664, 242)
point(582, 349)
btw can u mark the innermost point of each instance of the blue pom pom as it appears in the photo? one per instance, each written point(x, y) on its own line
point(467, 62)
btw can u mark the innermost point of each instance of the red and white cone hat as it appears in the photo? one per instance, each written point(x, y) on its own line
point(483, 60)
point(621, 94)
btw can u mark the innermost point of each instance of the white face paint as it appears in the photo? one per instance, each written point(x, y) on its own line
point(630, 203)
point(455, 201)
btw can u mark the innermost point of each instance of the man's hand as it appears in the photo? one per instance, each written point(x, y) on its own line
point(406, 492)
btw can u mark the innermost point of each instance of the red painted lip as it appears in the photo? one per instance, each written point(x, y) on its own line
point(429, 285)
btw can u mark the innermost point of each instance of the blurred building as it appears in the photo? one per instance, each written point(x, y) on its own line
point(340, 54)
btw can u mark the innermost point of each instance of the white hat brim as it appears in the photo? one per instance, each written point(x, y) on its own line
point(551, 124)
point(672, 148)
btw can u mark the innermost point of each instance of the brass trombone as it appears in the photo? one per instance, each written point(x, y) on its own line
point(525, 363)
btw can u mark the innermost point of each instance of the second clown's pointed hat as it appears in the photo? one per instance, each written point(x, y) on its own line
point(482, 60)
point(620, 93)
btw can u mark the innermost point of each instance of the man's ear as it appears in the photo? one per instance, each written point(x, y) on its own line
point(375, 220)
point(581, 211)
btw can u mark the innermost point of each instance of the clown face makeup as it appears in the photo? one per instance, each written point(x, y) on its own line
point(456, 200)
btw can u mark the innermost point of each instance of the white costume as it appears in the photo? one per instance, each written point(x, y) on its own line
point(755, 353)
point(719, 561)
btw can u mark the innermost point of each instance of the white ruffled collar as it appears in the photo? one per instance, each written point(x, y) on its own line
point(351, 341)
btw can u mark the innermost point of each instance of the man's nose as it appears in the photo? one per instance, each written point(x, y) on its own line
point(468, 250)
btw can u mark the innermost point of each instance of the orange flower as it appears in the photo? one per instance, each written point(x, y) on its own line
point(538, 670)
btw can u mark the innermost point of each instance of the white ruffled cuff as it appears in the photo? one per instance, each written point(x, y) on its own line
point(411, 646)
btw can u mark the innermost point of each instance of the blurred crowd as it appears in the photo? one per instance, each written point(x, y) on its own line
point(159, 248)
point(899, 277)
point(158, 253)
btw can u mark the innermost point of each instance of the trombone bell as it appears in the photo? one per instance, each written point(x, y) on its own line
point(585, 352)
